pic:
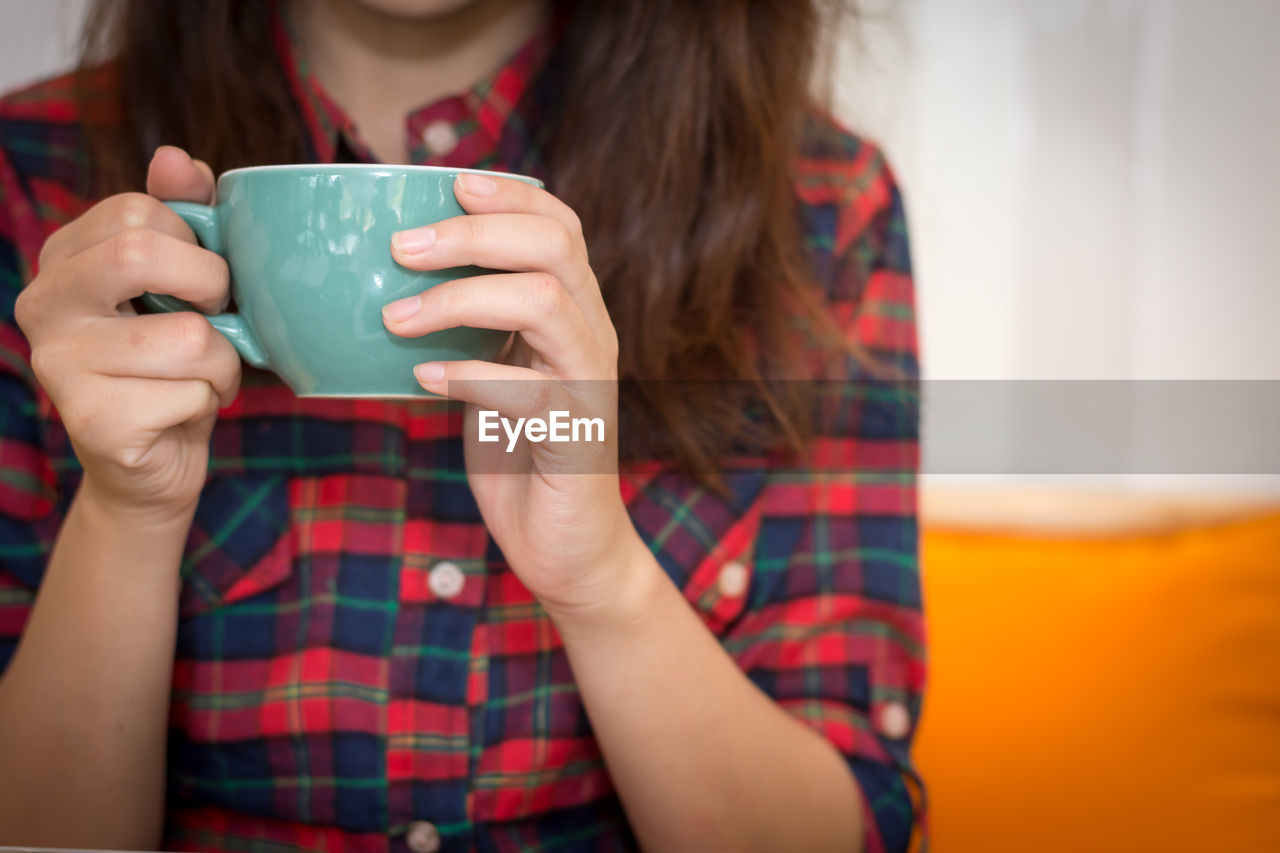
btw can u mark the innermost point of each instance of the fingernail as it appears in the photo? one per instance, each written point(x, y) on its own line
point(431, 373)
point(477, 184)
point(414, 242)
point(402, 309)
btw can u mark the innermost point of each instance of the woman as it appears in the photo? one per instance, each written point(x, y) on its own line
point(719, 649)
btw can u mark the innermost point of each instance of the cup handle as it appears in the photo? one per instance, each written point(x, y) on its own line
point(203, 220)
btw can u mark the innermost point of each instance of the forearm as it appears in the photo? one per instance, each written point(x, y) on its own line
point(84, 702)
point(702, 759)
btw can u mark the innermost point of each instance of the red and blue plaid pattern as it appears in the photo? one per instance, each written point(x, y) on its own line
point(325, 697)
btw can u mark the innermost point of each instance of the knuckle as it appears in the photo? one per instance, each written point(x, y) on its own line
point(135, 210)
point(126, 457)
point(49, 248)
point(191, 334)
point(547, 297)
point(445, 300)
point(562, 244)
point(26, 308)
point(573, 224)
point(472, 232)
point(132, 251)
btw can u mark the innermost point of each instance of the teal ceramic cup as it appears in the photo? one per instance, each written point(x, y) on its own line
point(309, 250)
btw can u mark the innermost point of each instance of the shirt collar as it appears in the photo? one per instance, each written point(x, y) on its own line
point(470, 130)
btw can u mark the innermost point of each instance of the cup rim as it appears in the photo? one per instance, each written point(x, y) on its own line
point(394, 168)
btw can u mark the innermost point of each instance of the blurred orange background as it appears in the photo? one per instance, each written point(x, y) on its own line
point(1105, 675)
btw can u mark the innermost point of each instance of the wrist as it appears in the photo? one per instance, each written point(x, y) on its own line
point(110, 510)
point(635, 586)
point(150, 540)
point(102, 542)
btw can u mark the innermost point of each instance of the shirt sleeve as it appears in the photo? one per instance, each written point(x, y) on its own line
point(29, 518)
point(833, 627)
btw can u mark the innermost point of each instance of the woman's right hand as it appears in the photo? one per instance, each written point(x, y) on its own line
point(138, 395)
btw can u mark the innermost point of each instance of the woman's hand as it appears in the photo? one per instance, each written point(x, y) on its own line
point(554, 508)
point(138, 394)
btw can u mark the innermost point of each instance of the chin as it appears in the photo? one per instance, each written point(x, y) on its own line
point(416, 8)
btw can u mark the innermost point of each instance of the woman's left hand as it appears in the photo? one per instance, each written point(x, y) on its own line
point(554, 508)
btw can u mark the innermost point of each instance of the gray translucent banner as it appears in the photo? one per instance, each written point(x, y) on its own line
point(967, 427)
point(1027, 427)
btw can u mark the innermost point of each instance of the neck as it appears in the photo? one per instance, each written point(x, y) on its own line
point(380, 67)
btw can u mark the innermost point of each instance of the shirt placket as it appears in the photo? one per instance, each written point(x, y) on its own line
point(443, 134)
point(429, 737)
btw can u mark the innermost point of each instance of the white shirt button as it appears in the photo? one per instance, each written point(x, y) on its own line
point(895, 720)
point(446, 580)
point(440, 138)
point(422, 837)
point(733, 579)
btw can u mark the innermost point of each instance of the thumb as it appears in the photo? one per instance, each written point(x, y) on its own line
point(174, 176)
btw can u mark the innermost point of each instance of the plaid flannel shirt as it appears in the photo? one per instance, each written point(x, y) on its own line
point(355, 661)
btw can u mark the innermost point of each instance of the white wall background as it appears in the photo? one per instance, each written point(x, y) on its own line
point(37, 37)
point(1092, 184)
point(1094, 194)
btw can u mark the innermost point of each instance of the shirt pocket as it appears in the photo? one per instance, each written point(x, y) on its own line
point(240, 545)
point(238, 558)
point(280, 672)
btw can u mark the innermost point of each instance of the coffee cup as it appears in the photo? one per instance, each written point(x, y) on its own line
point(309, 251)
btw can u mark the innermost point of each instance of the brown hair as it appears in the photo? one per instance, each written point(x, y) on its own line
point(696, 108)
